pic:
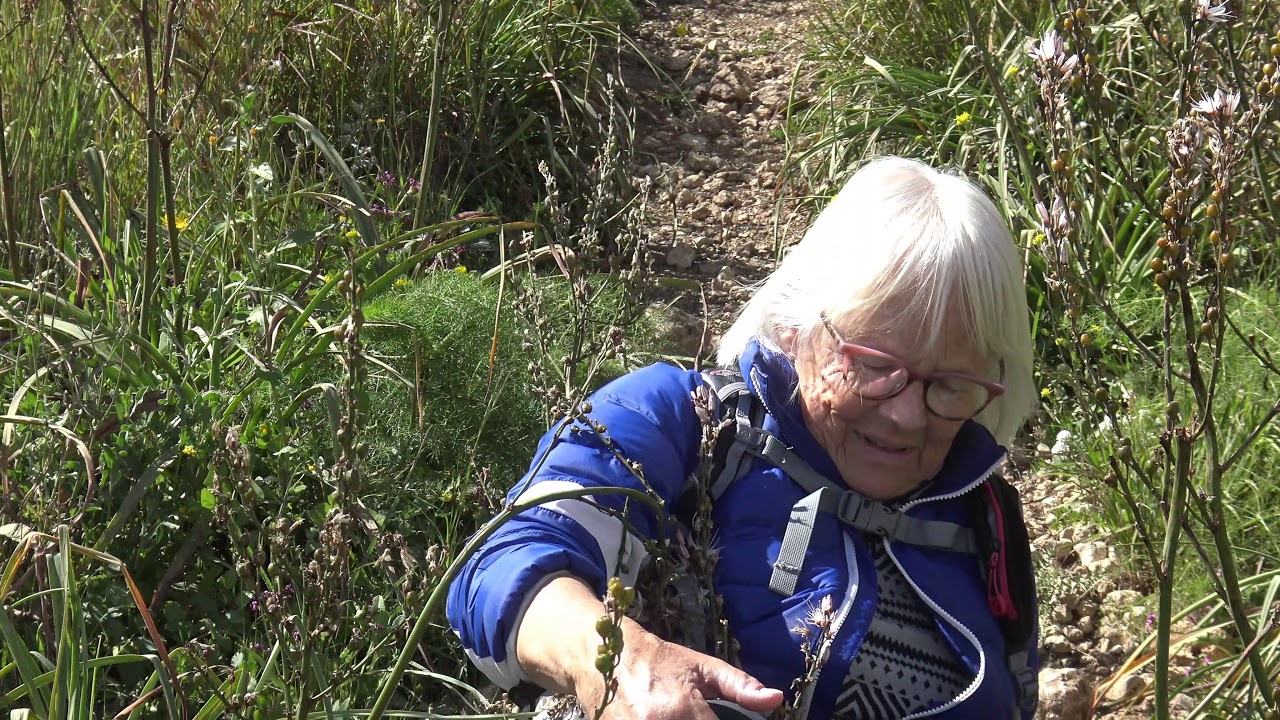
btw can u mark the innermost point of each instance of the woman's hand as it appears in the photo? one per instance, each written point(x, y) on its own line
point(657, 680)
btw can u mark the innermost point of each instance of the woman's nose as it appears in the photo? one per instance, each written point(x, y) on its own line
point(907, 409)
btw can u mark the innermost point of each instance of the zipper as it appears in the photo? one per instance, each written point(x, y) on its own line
point(968, 634)
point(758, 390)
point(846, 606)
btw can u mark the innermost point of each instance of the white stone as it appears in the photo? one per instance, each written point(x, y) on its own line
point(681, 256)
point(1095, 556)
point(1057, 644)
point(1126, 687)
point(689, 141)
point(1180, 705)
point(1087, 624)
point(1062, 444)
point(1063, 694)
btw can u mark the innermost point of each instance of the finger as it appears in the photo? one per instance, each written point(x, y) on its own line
point(721, 680)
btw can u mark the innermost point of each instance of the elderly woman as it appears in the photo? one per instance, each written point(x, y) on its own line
point(892, 354)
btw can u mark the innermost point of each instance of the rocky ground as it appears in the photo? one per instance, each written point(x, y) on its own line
point(710, 142)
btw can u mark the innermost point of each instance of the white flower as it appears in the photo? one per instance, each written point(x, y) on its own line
point(1208, 12)
point(1049, 50)
point(1218, 105)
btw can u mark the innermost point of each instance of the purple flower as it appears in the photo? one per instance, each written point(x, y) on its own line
point(381, 211)
point(386, 179)
point(258, 647)
point(414, 185)
point(253, 607)
point(287, 592)
point(1151, 620)
point(297, 636)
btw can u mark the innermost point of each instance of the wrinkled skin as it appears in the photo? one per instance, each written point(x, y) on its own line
point(883, 449)
point(657, 680)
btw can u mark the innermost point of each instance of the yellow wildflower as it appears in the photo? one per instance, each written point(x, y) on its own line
point(1046, 393)
point(352, 234)
point(461, 269)
point(1038, 238)
point(188, 451)
point(400, 283)
point(1012, 72)
point(963, 119)
point(213, 139)
point(262, 429)
point(181, 222)
point(311, 467)
point(380, 121)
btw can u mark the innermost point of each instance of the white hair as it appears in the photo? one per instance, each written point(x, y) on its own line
point(924, 246)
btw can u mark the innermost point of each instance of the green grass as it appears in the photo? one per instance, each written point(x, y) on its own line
point(200, 215)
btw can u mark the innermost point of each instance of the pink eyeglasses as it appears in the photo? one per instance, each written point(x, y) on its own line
point(876, 375)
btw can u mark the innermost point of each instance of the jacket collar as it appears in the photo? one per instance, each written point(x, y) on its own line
point(771, 376)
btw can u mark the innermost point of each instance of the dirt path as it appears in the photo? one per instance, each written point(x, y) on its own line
point(714, 155)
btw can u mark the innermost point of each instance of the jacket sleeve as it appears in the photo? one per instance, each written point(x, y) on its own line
point(649, 419)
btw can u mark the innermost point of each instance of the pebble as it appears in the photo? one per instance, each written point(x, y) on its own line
point(689, 141)
point(725, 199)
point(681, 256)
point(1126, 687)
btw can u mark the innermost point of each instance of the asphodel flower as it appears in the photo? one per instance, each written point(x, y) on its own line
point(1220, 105)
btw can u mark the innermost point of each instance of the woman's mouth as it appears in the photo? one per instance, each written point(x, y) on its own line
point(883, 446)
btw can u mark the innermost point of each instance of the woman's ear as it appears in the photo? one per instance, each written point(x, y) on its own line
point(787, 341)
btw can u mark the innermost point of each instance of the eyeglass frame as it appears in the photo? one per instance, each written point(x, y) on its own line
point(994, 389)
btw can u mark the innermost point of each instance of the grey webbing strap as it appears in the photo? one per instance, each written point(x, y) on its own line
point(795, 543)
point(737, 451)
point(1028, 684)
point(858, 511)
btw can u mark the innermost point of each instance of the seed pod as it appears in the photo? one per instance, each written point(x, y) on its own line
point(604, 626)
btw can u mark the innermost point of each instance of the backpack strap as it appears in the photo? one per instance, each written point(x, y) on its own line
point(733, 397)
point(1010, 579)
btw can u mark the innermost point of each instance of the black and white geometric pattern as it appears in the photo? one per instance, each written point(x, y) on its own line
point(904, 665)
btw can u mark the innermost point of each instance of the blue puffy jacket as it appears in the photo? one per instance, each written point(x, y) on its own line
point(649, 417)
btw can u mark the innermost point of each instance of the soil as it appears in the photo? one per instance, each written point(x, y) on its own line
point(710, 143)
